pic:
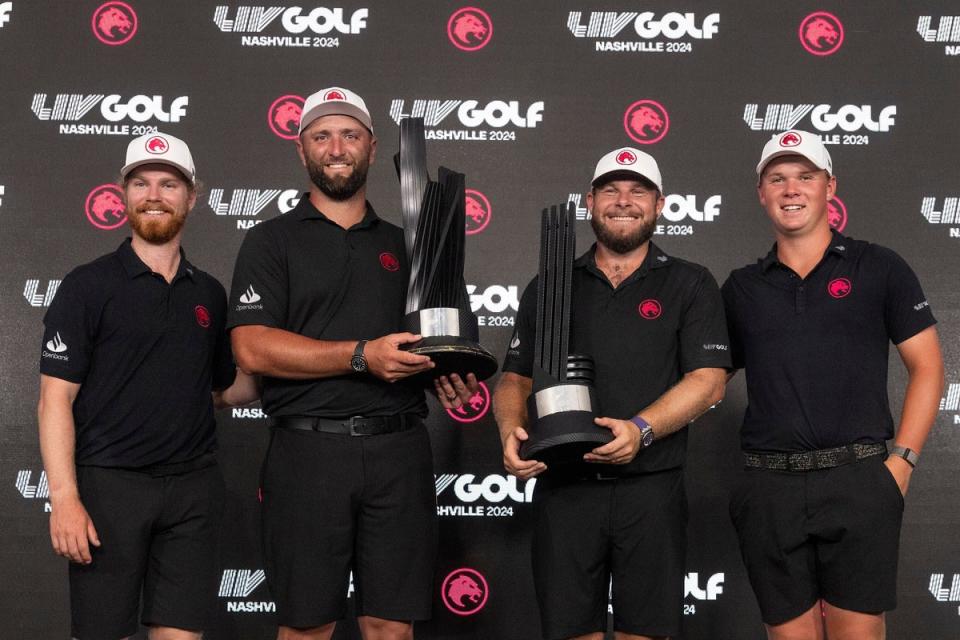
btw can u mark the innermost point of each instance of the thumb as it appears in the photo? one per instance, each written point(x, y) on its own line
point(92, 534)
point(404, 338)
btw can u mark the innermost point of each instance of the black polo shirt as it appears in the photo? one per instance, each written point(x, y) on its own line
point(663, 321)
point(815, 349)
point(301, 272)
point(146, 353)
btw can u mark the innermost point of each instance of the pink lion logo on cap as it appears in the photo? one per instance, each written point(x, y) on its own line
point(626, 157)
point(469, 28)
point(821, 33)
point(333, 94)
point(157, 145)
point(790, 139)
point(464, 591)
point(114, 23)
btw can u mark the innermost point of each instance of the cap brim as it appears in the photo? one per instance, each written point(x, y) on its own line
point(187, 174)
point(622, 174)
point(786, 152)
point(335, 108)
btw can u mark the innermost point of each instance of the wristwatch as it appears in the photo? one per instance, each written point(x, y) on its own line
point(358, 362)
point(646, 431)
point(911, 456)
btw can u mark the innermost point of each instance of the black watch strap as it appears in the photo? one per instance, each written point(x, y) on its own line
point(359, 362)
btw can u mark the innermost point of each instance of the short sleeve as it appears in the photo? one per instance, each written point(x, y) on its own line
point(69, 332)
point(703, 330)
point(259, 288)
point(906, 310)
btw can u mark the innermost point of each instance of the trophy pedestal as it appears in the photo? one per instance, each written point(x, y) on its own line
point(561, 424)
point(450, 340)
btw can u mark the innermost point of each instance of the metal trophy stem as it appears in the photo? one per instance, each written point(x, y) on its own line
point(563, 403)
point(434, 225)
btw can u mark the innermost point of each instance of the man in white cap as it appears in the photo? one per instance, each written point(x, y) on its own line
point(654, 326)
point(819, 508)
point(316, 306)
point(134, 357)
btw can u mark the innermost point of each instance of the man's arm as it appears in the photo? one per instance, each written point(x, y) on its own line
point(71, 529)
point(274, 352)
point(244, 390)
point(921, 356)
point(510, 411)
point(696, 392)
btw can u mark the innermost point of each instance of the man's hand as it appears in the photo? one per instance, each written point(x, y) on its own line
point(523, 469)
point(386, 361)
point(624, 446)
point(901, 471)
point(453, 392)
point(70, 530)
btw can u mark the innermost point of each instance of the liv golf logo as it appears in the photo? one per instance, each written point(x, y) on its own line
point(854, 122)
point(466, 495)
point(943, 211)
point(947, 31)
point(680, 212)
point(646, 32)
point(114, 109)
point(467, 119)
point(951, 401)
point(321, 27)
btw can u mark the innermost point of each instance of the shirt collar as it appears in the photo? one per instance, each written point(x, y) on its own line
point(838, 247)
point(134, 266)
point(305, 210)
point(654, 259)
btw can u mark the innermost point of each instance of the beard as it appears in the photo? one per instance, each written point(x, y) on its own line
point(622, 242)
point(156, 230)
point(339, 188)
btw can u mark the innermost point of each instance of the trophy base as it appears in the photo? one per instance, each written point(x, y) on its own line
point(452, 354)
point(563, 438)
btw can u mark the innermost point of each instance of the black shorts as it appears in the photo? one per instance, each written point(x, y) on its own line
point(158, 536)
point(335, 503)
point(832, 534)
point(632, 530)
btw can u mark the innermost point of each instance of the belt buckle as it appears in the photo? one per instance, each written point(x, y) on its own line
point(353, 426)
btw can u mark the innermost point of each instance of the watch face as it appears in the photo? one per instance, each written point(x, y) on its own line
point(647, 438)
point(359, 363)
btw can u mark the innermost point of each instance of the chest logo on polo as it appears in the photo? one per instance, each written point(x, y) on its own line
point(839, 288)
point(250, 296)
point(203, 316)
point(650, 309)
point(389, 261)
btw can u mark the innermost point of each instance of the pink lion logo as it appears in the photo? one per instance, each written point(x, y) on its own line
point(114, 23)
point(650, 309)
point(469, 28)
point(283, 116)
point(626, 157)
point(790, 139)
point(107, 203)
point(477, 210)
point(476, 407)
point(646, 121)
point(333, 95)
point(158, 145)
point(821, 33)
point(839, 288)
point(104, 207)
point(464, 591)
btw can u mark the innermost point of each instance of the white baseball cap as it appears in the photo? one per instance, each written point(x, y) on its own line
point(335, 101)
point(796, 143)
point(626, 161)
point(160, 148)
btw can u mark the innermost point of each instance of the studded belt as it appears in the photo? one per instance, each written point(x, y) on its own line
point(813, 460)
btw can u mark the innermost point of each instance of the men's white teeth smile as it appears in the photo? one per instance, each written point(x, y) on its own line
point(792, 207)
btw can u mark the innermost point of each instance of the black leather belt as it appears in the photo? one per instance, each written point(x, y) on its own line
point(353, 426)
point(813, 460)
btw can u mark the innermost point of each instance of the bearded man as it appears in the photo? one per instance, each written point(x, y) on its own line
point(316, 306)
point(135, 356)
point(654, 326)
